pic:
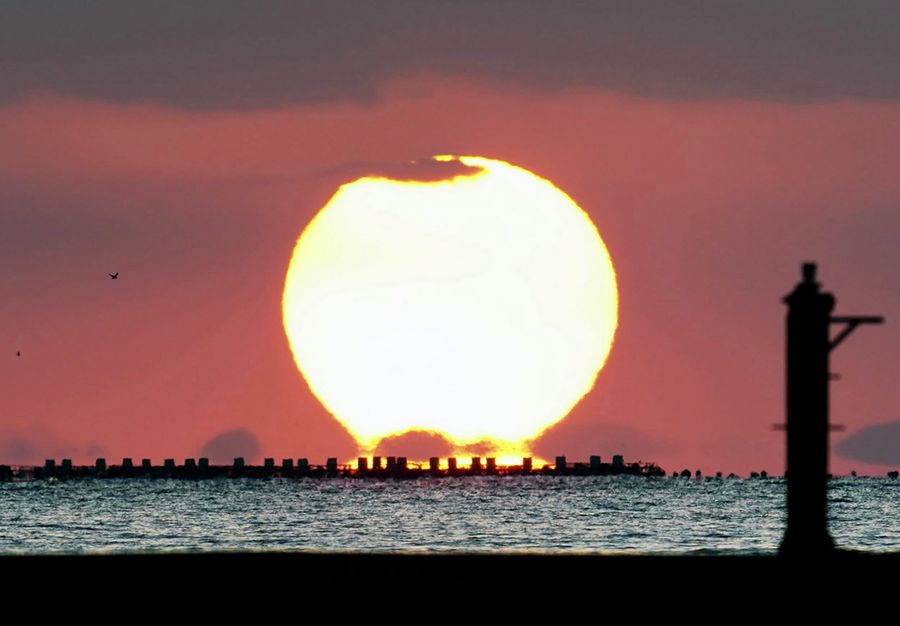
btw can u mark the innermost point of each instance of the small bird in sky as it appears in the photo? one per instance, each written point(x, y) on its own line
point(18, 353)
point(114, 276)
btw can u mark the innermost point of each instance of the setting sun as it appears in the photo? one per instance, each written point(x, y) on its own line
point(480, 307)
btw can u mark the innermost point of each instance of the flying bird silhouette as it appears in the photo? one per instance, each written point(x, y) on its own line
point(114, 276)
point(18, 353)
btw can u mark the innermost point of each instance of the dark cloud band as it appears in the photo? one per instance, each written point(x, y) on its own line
point(878, 444)
point(226, 53)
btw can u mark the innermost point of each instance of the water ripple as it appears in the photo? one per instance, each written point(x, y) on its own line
point(571, 514)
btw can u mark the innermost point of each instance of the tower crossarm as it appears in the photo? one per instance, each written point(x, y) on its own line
point(850, 323)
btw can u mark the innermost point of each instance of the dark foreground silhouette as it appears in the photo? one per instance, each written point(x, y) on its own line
point(521, 580)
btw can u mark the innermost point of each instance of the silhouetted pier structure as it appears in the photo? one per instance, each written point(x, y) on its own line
point(809, 344)
point(396, 467)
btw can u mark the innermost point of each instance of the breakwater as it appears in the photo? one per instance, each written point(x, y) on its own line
point(380, 467)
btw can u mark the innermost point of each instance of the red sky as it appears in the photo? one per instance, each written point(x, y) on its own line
point(708, 205)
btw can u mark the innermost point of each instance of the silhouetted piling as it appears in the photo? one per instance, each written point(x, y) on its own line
point(100, 465)
point(560, 466)
point(893, 474)
point(203, 464)
point(451, 465)
point(596, 463)
point(362, 464)
point(526, 465)
point(66, 467)
point(237, 466)
point(303, 467)
point(146, 465)
point(491, 467)
point(50, 467)
point(376, 463)
point(475, 467)
point(434, 466)
point(331, 466)
point(618, 460)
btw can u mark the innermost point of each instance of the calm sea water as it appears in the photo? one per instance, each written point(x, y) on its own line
point(595, 514)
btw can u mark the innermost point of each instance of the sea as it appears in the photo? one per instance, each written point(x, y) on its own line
point(584, 514)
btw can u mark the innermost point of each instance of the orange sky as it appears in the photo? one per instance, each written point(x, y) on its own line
point(707, 206)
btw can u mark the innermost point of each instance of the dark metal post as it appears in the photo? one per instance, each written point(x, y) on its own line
point(807, 375)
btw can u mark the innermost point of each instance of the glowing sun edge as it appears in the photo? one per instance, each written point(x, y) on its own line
point(507, 451)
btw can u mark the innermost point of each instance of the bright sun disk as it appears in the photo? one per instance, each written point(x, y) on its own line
point(480, 307)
